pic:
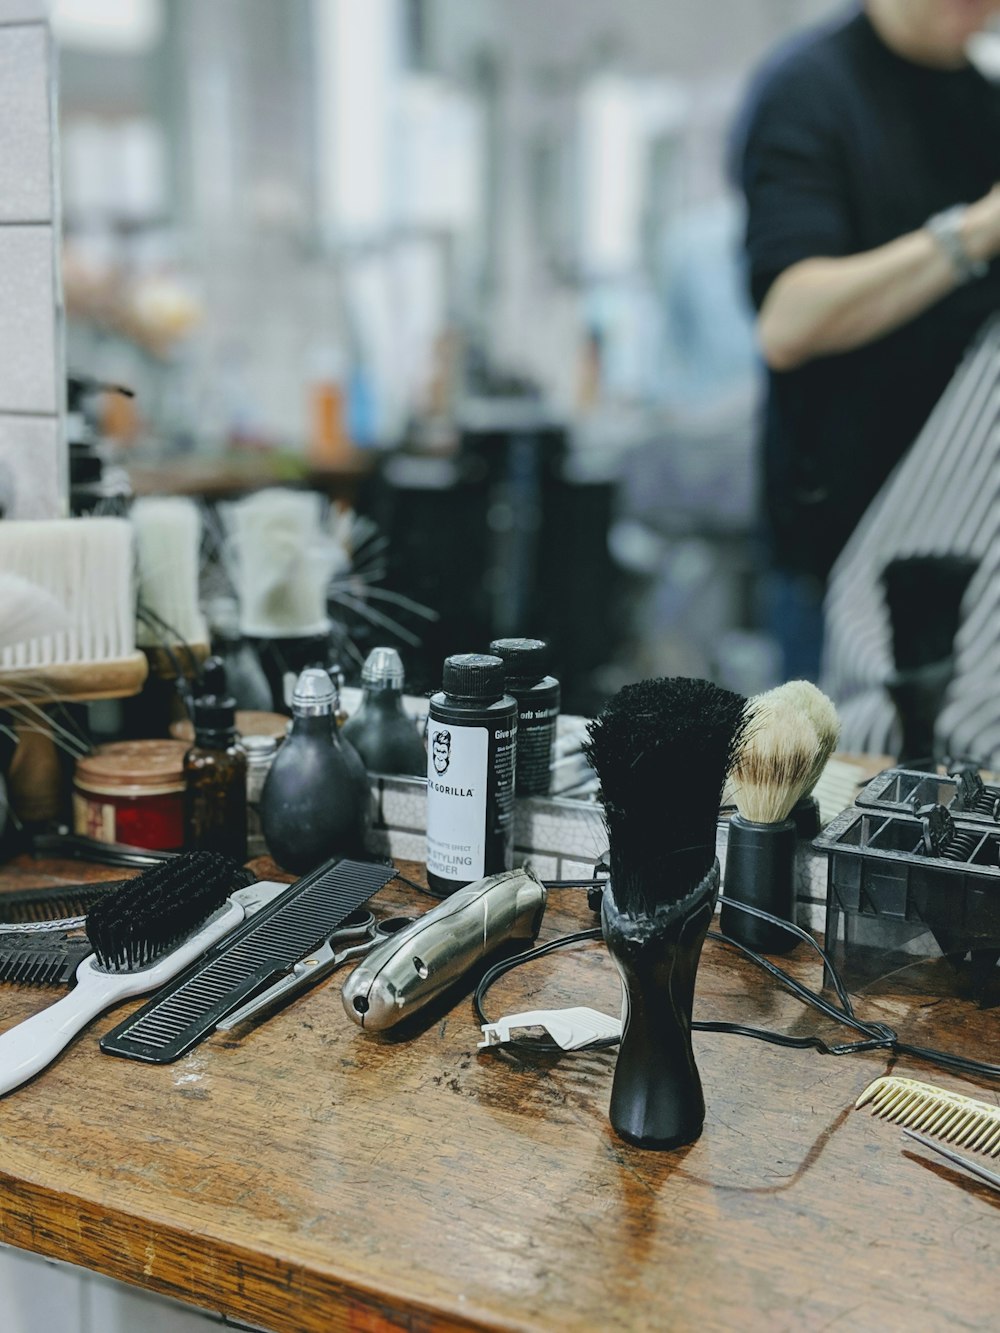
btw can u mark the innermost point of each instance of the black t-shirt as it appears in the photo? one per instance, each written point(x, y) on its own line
point(845, 146)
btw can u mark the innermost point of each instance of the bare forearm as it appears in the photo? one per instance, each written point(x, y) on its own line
point(822, 306)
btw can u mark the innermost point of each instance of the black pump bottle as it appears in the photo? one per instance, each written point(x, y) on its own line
point(315, 800)
point(385, 738)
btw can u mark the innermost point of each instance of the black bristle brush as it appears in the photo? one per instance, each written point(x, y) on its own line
point(923, 595)
point(142, 934)
point(661, 749)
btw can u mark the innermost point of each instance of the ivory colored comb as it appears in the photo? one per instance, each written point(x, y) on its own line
point(944, 1115)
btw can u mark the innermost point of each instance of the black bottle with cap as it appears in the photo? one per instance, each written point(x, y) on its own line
point(526, 662)
point(471, 750)
point(385, 738)
point(215, 771)
point(316, 796)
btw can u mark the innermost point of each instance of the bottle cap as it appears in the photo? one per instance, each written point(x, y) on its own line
point(214, 707)
point(259, 749)
point(473, 676)
point(383, 669)
point(314, 694)
point(525, 660)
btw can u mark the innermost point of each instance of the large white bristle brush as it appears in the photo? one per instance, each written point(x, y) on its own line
point(84, 565)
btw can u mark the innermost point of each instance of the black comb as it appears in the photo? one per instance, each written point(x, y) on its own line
point(46, 959)
point(52, 904)
point(267, 945)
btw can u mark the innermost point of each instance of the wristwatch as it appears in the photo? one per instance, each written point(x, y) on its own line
point(946, 228)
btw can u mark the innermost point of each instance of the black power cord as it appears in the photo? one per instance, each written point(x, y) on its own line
point(874, 1036)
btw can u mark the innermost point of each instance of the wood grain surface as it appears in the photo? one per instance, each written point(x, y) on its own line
point(303, 1176)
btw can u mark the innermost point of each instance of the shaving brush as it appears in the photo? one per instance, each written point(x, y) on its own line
point(923, 596)
point(661, 750)
point(779, 756)
point(820, 711)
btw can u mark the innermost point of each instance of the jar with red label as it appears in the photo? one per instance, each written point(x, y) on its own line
point(132, 792)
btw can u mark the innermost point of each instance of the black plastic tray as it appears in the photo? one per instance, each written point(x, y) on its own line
point(899, 789)
point(887, 898)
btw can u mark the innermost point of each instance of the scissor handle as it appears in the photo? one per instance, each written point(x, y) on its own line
point(360, 926)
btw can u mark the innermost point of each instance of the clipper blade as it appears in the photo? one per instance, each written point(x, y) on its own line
point(935, 1111)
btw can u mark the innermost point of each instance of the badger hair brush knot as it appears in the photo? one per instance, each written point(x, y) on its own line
point(821, 712)
point(777, 760)
point(661, 749)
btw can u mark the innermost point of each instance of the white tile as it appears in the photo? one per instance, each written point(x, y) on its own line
point(27, 320)
point(39, 1296)
point(25, 126)
point(31, 470)
point(24, 11)
point(545, 867)
point(571, 869)
point(112, 1307)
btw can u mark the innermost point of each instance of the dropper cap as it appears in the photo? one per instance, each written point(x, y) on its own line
point(526, 661)
point(383, 670)
point(473, 676)
point(214, 707)
point(314, 694)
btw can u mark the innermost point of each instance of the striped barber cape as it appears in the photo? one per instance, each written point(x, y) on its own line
point(942, 498)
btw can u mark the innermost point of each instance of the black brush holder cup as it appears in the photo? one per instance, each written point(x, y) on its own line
point(656, 1096)
point(760, 871)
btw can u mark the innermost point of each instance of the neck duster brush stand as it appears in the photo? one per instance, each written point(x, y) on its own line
point(661, 749)
point(772, 773)
point(924, 598)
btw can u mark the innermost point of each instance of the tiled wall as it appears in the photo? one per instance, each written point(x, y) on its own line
point(41, 1296)
point(32, 467)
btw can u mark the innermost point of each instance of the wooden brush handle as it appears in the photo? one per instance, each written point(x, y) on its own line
point(115, 679)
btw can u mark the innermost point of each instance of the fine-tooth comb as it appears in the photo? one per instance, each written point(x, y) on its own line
point(944, 1115)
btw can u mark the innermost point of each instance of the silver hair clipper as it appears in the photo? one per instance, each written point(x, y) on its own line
point(413, 967)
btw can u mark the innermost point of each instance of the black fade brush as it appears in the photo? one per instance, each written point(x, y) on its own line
point(142, 934)
point(923, 595)
point(661, 749)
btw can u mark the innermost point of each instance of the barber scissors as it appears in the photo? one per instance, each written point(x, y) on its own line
point(353, 937)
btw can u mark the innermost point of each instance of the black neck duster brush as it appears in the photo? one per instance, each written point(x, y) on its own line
point(777, 762)
point(923, 595)
point(661, 750)
point(143, 933)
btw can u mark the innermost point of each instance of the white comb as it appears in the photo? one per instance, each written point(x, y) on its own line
point(935, 1111)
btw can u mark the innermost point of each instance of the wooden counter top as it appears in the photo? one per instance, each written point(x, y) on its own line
point(307, 1177)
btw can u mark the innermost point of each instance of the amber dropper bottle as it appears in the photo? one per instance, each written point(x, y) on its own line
point(215, 772)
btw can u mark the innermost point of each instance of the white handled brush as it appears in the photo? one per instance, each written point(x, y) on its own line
point(143, 934)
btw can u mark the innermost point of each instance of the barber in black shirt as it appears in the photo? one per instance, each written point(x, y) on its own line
point(869, 154)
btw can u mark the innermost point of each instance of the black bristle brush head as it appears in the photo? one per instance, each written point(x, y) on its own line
point(923, 595)
point(662, 749)
point(144, 918)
